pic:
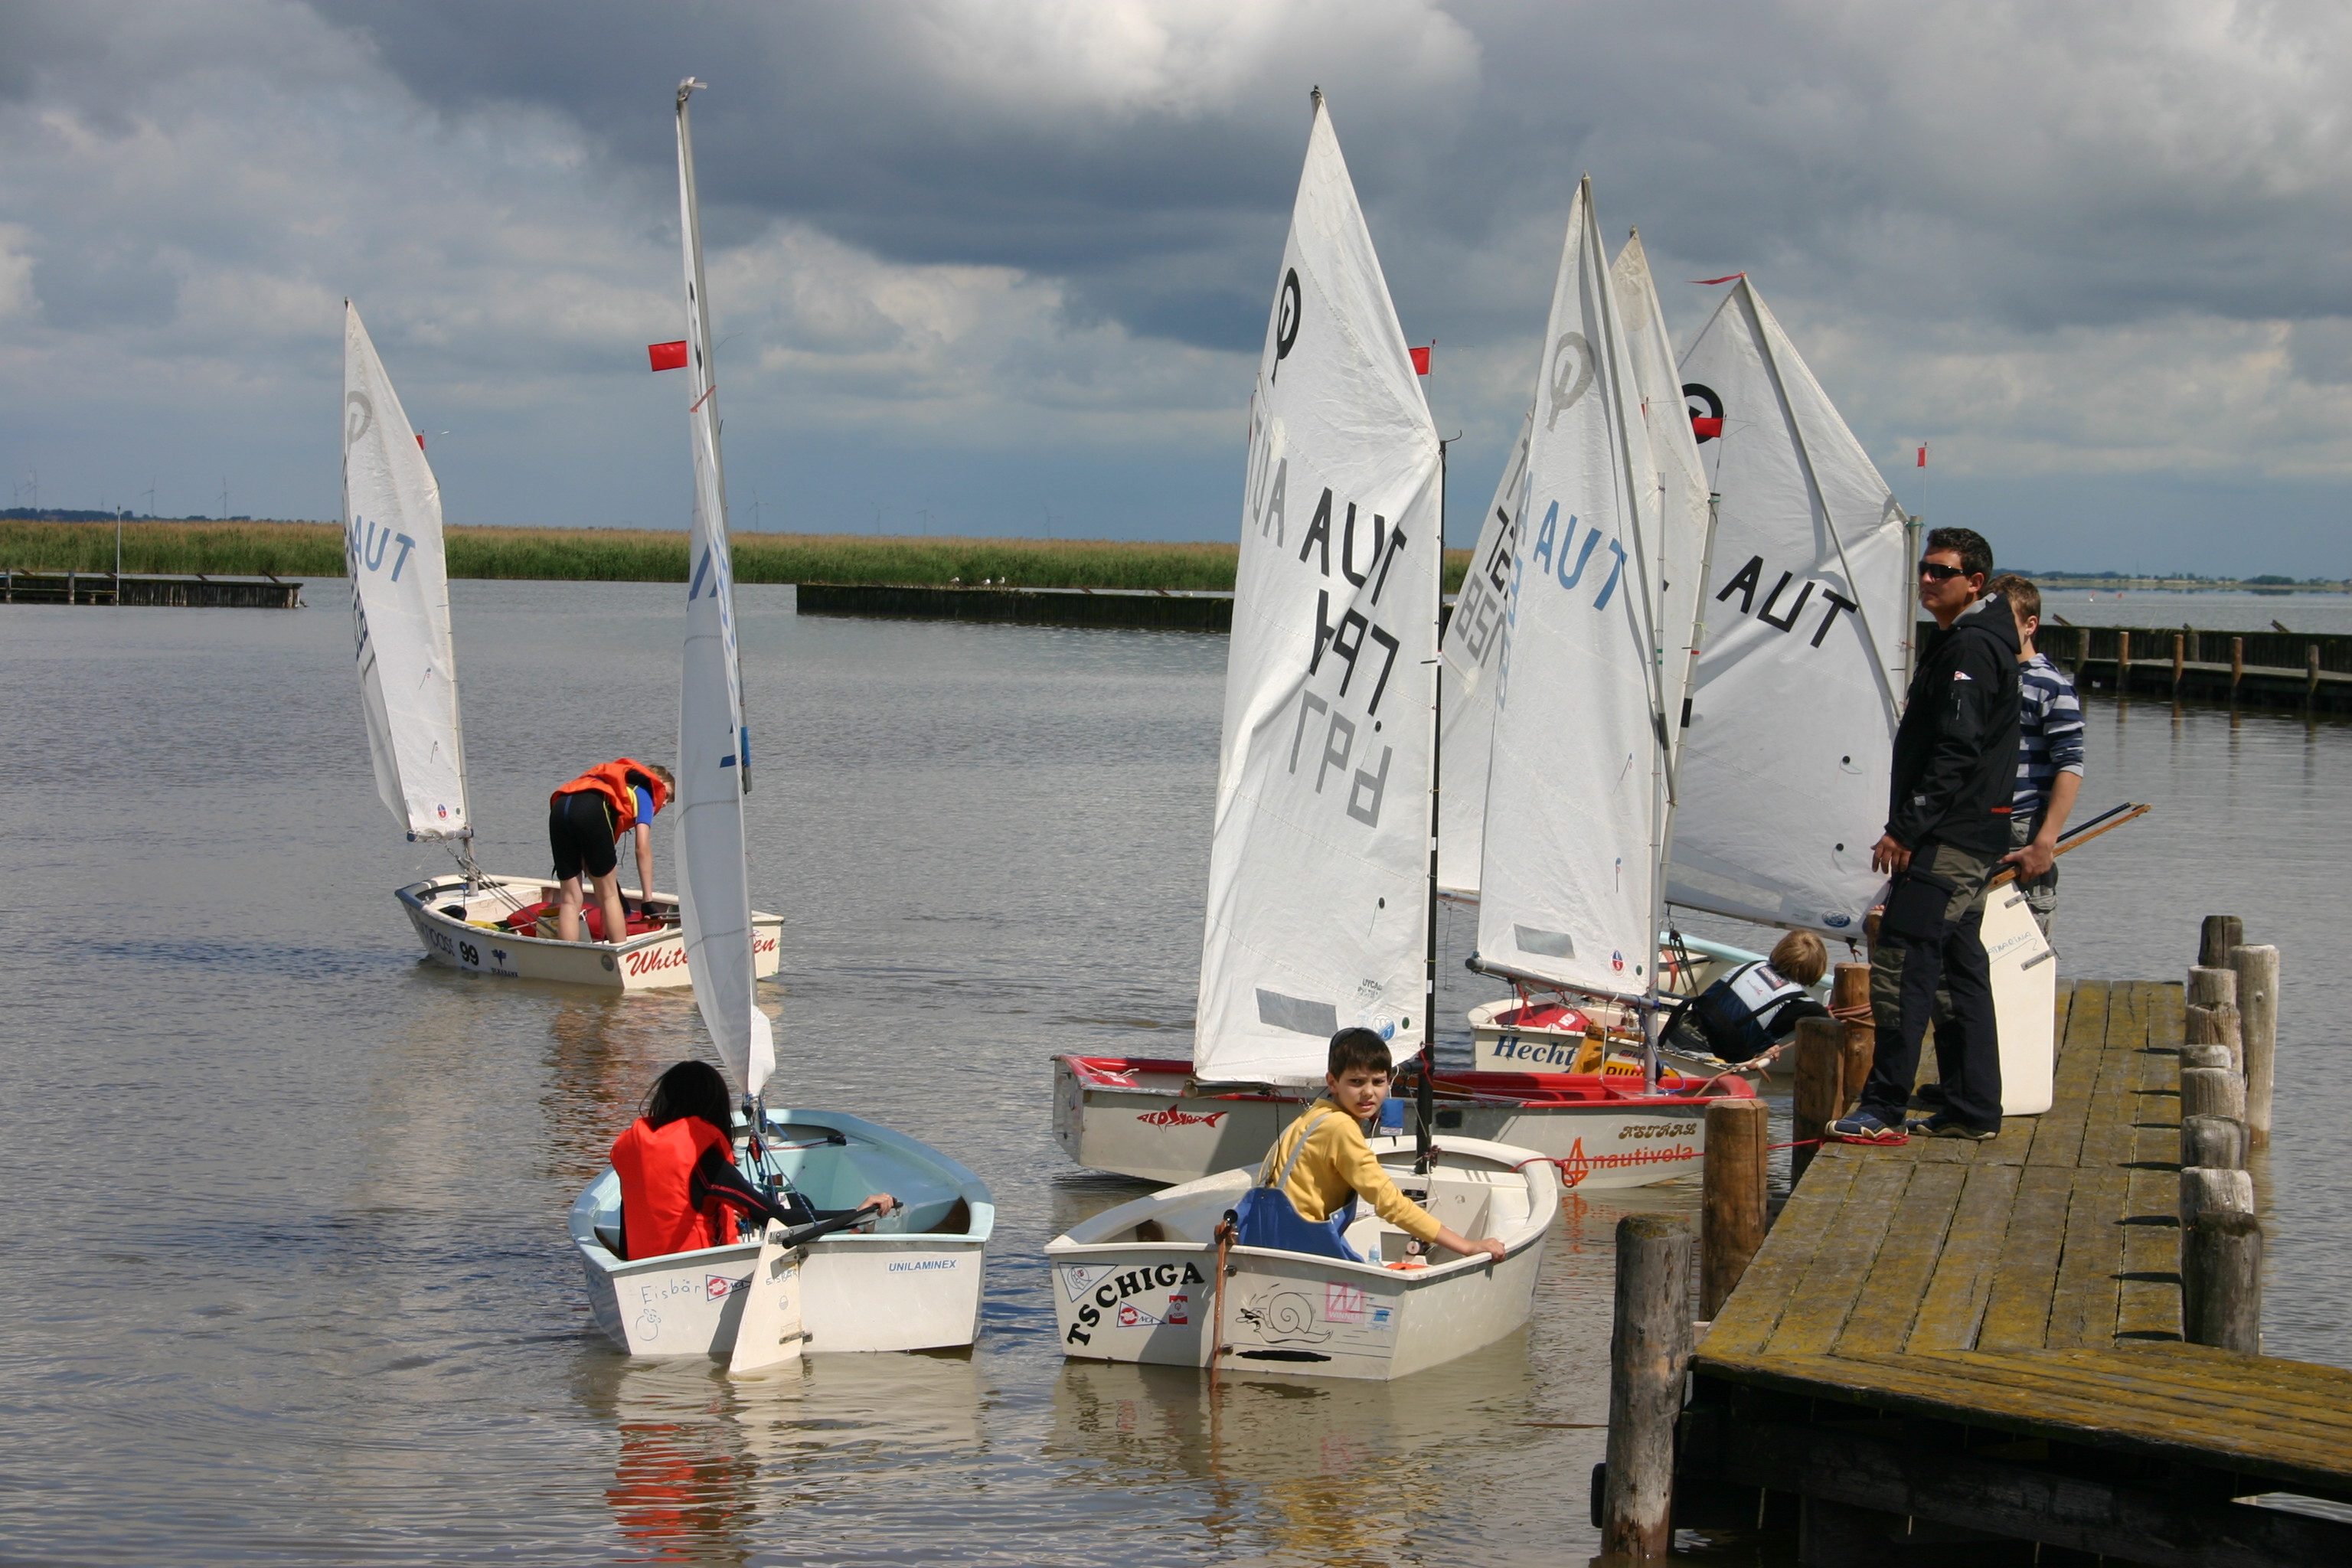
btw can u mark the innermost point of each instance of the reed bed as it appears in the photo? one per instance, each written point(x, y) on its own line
point(635, 555)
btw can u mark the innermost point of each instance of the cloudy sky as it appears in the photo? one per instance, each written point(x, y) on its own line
point(989, 268)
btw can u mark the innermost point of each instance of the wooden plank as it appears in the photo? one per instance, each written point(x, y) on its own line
point(1749, 1317)
point(2082, 1305)
point(2016, 1313)
point(1889, 1300)
point(1817, 1307)
point(2059, 1139)
point(2108, 1126)
point(2086, 1015)
point(2293, 1390)
point(1955, 1298)
point(2224, 1413)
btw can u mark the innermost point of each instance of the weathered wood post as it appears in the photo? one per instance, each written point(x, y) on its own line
point(2212, 1092)
point(2220, 1261)
point(2215, 938)
point(1852, 989)
point(2310, 675)
point(1821, 1085)
point(1731, 1209)
point(2123, 664)
point(1648, 1350)
point(2258, 984)
point(2179, 660)
point(2237, 665)
point(2215, 1142)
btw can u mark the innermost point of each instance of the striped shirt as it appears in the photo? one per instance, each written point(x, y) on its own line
point(2049, 739)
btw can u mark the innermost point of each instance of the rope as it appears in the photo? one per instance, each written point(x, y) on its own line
point(1798, 1143)
point(1217, 1345)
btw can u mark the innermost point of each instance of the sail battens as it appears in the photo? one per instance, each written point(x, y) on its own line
point(1319, 862)
point(1783, 775)
point(714, 879)
point(400, 602)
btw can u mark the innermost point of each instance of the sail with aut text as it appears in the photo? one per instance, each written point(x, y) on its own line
point(400, 602)
point(1783, 780)
point(1575, 786)
point(713, 746)
point(1317, 869)
point(1472, 651)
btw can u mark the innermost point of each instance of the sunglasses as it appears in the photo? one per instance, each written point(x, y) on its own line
point(1936, 572)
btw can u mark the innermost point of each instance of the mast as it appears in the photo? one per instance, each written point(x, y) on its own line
point(1426, 1092)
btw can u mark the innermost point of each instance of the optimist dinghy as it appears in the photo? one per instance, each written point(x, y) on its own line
point(1140, 1282)
point(913, 1280)
point(408, 695)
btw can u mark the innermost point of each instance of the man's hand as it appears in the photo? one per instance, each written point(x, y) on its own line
point(1888, 857)
point(2034, 860)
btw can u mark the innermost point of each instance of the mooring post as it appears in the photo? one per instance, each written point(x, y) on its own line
point(2212, 1092)
point(2311, 675)
point(2215, 938)
point(2214, 1143)
point(1648, 1350)
point(2123, 663)
point(2179, 659)
point(2237, 665)
point(2258, 983)
point(1731, 1207)
point(1820, 1090)
point(2220, 1261)
point(1850, 989)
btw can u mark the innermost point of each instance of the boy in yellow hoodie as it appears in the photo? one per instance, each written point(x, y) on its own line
point(1322, 1164)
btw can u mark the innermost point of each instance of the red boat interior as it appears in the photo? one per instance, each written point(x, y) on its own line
point(1164, 1075)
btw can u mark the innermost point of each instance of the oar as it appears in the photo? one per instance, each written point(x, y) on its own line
point(2075, 837)
point(769, 1333)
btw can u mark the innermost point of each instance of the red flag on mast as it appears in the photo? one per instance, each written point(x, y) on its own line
point(667, 357)
point(1421, 359)
point(1923, 454)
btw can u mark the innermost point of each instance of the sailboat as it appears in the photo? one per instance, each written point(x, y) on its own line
point(1321, 872)
point(407, 661)
point(1787, 731)
point(1321, 911)
point(913, 1280)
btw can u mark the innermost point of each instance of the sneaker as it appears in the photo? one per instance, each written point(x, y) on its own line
point(1929, 1097)
point(1866, 1127)
point(1948, 1127)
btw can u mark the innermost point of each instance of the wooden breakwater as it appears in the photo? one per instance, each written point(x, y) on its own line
point(197, 592)
point(1027, 606)
point(2040, 1348)
point(2273, 669)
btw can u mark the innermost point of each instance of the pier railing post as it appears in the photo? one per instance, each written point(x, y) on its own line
point(2258, 984)
point(1731, 1209)
point(1819, 1088)
point(1648, 1351)
point(2220, 1261)
point(2215, 938)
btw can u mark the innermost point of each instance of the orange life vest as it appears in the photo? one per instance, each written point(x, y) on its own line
point(656, 1165)
point(612, 781)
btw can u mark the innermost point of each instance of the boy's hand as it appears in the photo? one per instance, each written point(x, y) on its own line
point(1453, 1242)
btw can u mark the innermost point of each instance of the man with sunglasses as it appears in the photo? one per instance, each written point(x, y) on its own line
point(1947, 827)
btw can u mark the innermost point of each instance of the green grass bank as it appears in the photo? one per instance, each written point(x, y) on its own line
point(310, 550)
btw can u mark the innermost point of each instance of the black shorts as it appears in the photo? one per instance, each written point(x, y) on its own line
point(580, 831)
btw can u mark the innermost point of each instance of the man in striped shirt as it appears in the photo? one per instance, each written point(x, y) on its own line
point(2049, 757)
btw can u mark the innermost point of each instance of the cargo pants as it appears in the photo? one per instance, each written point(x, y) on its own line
point(1905, 973)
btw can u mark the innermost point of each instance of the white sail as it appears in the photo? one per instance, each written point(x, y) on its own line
point(1574, 791)
point(400, 602)
point(1680, 517)
point(1471, 652)
point(1319, 869)
point(1784, 775)
point(713, 746)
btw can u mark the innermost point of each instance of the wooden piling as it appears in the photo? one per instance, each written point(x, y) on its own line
point(2213, 987)
point(2237, 665)
point(2311, 677)
point(2214, 1143)
point(2212, 1092)
point(2123, 664)
point(1731, 1210)
point(1649, 1350)
point(1820, 1087)
point(2258, 983)
point(2211, 1053)
point(1850, 988)
point(2216, 1026)
point(2179, 660)
point(2220, 1261)
point(2215, 938)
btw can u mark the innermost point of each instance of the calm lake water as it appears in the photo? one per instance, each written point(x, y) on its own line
point(290, 1280)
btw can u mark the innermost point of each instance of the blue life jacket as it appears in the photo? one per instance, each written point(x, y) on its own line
point(1266, 1217)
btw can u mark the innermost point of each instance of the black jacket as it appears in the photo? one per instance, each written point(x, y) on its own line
point(1956, 750)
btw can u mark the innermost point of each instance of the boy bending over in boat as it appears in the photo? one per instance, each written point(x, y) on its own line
point(1319, 1168)
point(679, 1187)
point(586, 821)
point(1751, 1012)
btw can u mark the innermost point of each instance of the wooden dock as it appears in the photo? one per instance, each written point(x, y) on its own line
point(196, 591)
point(1195, 612)
point(1950, 1352)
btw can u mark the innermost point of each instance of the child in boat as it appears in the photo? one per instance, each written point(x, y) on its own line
point(680, 1188)
point(1757, 1006)
point(586, 821)
point(1308, 1187)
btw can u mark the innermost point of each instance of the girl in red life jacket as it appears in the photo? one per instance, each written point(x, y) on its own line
point(680, 1188)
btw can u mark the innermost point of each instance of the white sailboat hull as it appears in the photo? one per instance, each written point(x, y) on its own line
point(644, 963)
point(1119, 1298)
point(1147, 1119)
point(913, 1284)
